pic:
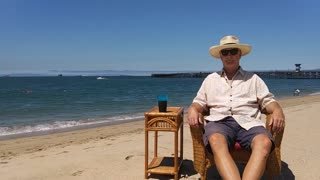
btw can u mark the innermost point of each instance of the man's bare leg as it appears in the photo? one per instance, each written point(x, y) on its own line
point(261, 146)
point(222, 158)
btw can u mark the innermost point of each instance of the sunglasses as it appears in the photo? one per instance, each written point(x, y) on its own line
point(233, 51)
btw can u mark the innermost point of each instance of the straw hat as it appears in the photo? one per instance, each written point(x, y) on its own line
point(229, 42)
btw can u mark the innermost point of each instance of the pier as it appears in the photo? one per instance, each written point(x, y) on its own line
point(263, 74)
point(289, 74)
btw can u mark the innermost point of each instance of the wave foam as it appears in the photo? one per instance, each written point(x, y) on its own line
point(313, 94)
point(60, 125)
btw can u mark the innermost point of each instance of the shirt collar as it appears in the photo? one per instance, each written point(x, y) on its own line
point(240, 71)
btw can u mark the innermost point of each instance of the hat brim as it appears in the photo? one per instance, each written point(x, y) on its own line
point(215, 50)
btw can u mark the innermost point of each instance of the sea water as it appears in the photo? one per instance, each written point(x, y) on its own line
point(49, 104)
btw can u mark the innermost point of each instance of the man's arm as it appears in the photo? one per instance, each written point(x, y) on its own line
point(193, 114)
point(278, 118)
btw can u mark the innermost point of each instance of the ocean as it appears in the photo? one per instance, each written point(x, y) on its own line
point(40, 105)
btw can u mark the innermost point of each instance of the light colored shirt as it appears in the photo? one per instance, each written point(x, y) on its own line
point(242, 97)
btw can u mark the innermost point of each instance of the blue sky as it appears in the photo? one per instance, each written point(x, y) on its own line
point(174, 35)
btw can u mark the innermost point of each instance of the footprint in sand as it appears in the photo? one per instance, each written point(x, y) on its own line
point(88, 148)
point(41, 156)
point(77, 173)
point(63, 152)
point(129, 157)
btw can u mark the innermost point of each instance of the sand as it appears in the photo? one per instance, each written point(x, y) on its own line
point(117, 152)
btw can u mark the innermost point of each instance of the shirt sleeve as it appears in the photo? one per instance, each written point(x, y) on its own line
point(201, 97)
point(264, 96)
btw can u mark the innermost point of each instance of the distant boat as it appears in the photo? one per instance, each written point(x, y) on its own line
point(100, 78)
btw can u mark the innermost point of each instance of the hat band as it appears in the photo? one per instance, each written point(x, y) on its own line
point(229, 43)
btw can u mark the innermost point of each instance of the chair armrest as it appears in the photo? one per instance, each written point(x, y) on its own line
point(199, 150)
point(274, 161)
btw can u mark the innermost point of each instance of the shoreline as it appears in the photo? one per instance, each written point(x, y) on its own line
point(92, 153)
point(67, 129)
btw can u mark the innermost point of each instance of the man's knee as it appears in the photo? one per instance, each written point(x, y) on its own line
point(261, 143)
point(218, 141)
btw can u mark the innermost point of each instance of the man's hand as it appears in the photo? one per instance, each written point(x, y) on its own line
point(194, 115)
point(278, 119)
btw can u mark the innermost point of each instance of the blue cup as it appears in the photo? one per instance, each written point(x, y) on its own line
point(162, 103)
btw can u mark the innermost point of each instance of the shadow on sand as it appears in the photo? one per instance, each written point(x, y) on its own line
point(188, 170)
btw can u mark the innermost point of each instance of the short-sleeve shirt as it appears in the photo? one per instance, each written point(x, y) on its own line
point(242, 97)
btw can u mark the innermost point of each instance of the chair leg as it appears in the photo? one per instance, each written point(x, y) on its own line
point(203, 177)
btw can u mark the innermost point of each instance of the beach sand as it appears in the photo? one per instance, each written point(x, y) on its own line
point(117, 152)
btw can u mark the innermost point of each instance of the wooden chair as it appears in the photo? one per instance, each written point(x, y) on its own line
point(203, 160)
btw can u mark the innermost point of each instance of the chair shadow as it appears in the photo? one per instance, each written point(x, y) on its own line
point(187, 170)
point(286, 173)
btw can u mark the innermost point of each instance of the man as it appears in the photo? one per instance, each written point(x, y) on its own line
point(234, 98)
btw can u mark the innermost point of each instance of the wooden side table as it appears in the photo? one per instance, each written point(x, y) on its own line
point(170, 121)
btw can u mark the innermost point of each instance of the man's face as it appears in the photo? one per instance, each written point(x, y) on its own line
point(230, 57)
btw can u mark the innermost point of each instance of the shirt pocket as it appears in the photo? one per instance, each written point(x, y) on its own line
point(246, 91)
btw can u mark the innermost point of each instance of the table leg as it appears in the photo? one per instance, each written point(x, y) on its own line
point(155, 143)
point(146, 154)
point(181, 142)
point(176, 133)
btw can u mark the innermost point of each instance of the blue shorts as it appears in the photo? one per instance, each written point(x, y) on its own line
point(233, 133)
